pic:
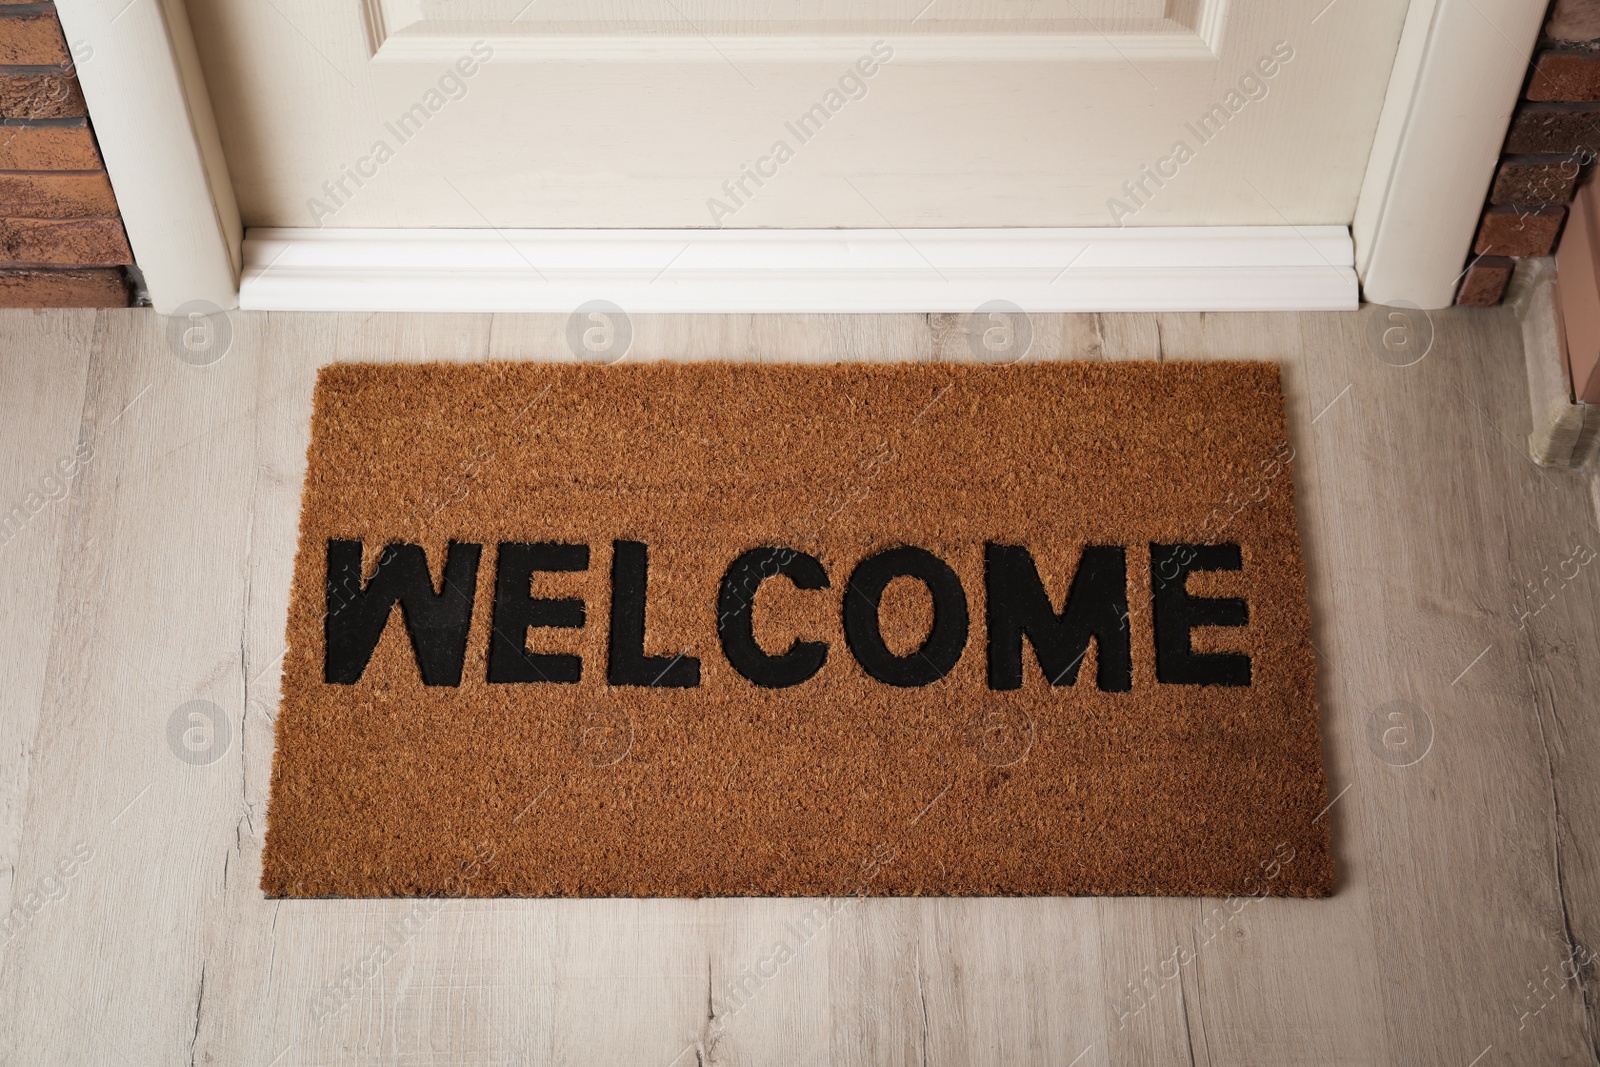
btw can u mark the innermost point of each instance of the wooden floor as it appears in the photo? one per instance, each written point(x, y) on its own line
point(1450, 587)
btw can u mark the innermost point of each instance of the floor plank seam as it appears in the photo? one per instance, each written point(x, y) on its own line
point(1188, 1031)
point(199, 1001)
point(1573, 948)
point(922, 998)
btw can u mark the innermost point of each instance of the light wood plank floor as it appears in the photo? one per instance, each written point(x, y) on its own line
point(157, 573)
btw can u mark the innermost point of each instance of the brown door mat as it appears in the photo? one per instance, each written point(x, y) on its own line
point(737, 629)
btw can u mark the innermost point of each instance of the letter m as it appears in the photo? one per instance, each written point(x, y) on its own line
point(1097, 606)
point(437, 622)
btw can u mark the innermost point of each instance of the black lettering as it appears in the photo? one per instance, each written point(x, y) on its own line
point(516, 611)
point(627, 664)
point(436, 622)
point(1096, 606)
point(734, 617)
point(941, 649)
point(1177, 613)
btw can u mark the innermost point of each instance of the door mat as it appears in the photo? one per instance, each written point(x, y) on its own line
point(729, 630)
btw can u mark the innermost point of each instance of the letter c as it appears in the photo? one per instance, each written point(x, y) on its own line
point(735, 602)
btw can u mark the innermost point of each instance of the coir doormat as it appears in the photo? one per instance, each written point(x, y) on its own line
point(712, 630)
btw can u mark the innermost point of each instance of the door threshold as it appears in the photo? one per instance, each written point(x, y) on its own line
point(1199, 268)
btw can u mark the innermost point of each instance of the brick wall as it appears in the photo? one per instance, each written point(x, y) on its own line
point(61, 237)
point(1550, 147)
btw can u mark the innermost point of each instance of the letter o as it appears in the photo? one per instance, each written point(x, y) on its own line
point(945, 640)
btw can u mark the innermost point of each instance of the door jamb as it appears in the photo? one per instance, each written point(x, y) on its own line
point(1456, 78)
point(152, 117)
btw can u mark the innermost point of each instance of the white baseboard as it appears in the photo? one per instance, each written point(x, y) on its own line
point(1209, 268)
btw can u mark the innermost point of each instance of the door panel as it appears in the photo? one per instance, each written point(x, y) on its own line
point(730, 16)
point(708, 29)
point(809, 113)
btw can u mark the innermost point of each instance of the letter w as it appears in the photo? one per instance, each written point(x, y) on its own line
point(436, 622)
point(1097, 606)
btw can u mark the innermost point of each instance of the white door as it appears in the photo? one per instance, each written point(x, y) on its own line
point(796, 113)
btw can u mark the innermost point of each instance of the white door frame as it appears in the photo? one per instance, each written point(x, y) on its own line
point(152, 116)
point(1456, 77)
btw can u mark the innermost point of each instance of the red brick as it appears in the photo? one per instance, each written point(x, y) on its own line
point(1485, 281)
point(64, 242)
point(1534, 182)
point(1574, 20)
point(1566, 75)
point(1510, 232)
point(33, 95)
point(57, 196)
point(27, 288)
point(48, 148)
point(1552, 128)
point(34, 41)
